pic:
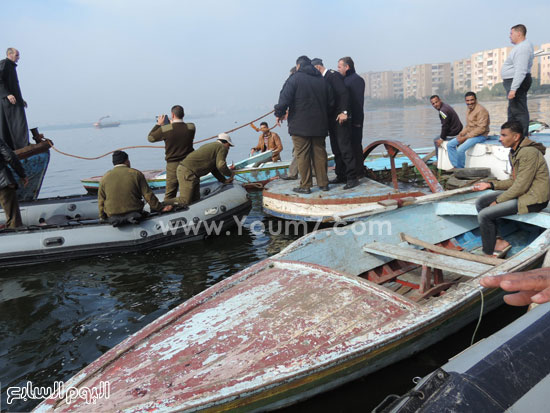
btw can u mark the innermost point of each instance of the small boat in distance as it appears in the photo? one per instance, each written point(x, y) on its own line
point(106, 124)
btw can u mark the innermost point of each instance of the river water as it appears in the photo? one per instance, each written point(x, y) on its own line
point(57, 318)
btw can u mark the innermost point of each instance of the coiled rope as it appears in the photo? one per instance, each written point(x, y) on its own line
point(151, 146)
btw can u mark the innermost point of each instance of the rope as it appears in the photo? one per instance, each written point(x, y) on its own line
point(480, 315)
point(150, 146)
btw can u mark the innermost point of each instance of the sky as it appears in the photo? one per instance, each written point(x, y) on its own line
point(132, 59)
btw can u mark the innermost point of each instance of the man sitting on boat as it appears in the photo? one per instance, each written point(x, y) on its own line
point(8, 185)
point(527, 189)
point(209, 158)
point(178, 140)
point(121, 193)
point(476, 131)
point(268, 141)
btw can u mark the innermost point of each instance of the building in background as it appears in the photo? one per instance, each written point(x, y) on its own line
point(544, 64)
point(462, 75)
point(486, 67)
point(422, 81)
point(384, 85)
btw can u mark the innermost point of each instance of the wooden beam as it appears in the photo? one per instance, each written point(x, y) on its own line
point(452, 253)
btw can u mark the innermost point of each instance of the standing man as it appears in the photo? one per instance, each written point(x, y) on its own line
point(527, 189)
point(308, 99)
point(339, 128)
point(476, 131)
point(13, 122)
point(209, 158)
point(121, 193)
point(268, 141)
point(516, 76)
point(8, 185)
point(450, 122)
point(178, 139)
point(356, 88)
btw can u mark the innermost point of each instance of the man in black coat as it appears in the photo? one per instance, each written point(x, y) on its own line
point(8, 185)
point(308, 99)
point(356, 88)
point(13, 122)
point(339, 128)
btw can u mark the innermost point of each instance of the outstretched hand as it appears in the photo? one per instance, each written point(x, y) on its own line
point(532, 286)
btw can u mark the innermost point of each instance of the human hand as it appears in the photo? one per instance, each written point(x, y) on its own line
point(160, 119)
point(167, 208)
point(511, 94)
point(481, 186)
point(341, 118)
point(25, 182)
point(532, 286)
point(439, 142)
point(25, 103)
point(461, 139)
point(12, 99)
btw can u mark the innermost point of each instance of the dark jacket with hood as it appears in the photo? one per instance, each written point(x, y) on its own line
point(356, 87)
point(309, 99)
point(530, 181)
point(8, 157)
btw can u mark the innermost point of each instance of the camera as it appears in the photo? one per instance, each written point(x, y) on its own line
point(166, 120)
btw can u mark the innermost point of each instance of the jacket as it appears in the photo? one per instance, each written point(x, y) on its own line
point(8, 157)
point(121, 191)
point(273, 143)
point(341, 93)
point(208, 158)
point(309, 100)
point(178, 139)
point(477, 122)
point(450, 122)
point(9, 83)
point(530, 181)
point(356, 88)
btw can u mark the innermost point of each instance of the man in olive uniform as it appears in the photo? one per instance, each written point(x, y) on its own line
point(13, 121)
point(121, 191)
point(209, 158)
point(178, 138)
point(8, 186)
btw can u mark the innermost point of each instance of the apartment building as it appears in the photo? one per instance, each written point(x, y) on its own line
point(462, 75)
point(422, 81)
point(544, 65)
point(486, 67)
point(384, 85)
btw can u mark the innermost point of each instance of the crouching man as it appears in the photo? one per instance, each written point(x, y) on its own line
point(121, 193)
point(527, 189)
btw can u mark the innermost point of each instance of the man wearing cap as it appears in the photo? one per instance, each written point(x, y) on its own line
point(13, 121)
point(178, 140)
point(8, 185)
point(308, 98)
point(121, 191)
point(339, 128)
point(209, 158)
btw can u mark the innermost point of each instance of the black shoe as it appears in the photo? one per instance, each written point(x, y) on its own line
point(324, 188)
point(351, 184)
point(301, 190)
point(336, 181)
point(288, 178)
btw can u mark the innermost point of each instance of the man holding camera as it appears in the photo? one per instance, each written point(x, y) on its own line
point(178, 137)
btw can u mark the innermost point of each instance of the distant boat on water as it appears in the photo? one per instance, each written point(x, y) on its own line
point(101, 123)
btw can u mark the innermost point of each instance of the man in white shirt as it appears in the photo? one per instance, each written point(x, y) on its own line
point(516, 76)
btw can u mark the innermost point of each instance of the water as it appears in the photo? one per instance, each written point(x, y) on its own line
point(57, 318)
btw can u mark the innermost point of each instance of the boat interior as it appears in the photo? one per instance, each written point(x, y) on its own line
point(419, 252)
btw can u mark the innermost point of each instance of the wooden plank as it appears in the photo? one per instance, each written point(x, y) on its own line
point(447, 263)
point(451, 253)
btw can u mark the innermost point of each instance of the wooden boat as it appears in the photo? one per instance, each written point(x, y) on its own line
point(157, 178)
point(508, 371)
point(333, 306)
point(102, 123)
point(370, 196)
point(221, 208)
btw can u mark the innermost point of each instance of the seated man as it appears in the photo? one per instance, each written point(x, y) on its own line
point(527, 189)
point(8, 185)
point(476, 131)
point(450, 122)
point(268, 141)
point(209, 158)
point(121, 191)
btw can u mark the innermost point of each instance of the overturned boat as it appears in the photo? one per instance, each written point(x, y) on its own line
point(333, 306)
point(220, 207)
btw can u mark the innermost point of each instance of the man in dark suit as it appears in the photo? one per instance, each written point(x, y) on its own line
point(356, 88)
point(339, 128)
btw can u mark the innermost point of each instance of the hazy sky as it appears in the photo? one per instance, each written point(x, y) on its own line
point(81, 59)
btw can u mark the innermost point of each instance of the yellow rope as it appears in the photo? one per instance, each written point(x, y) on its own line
point(151, 146)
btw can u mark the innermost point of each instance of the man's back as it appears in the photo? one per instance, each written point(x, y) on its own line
point(178, 138)
point(121, 191)
point(9, 84)
point(208, 158)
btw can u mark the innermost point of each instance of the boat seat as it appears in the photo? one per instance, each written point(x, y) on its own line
point(540, 219)
point(428, 259)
